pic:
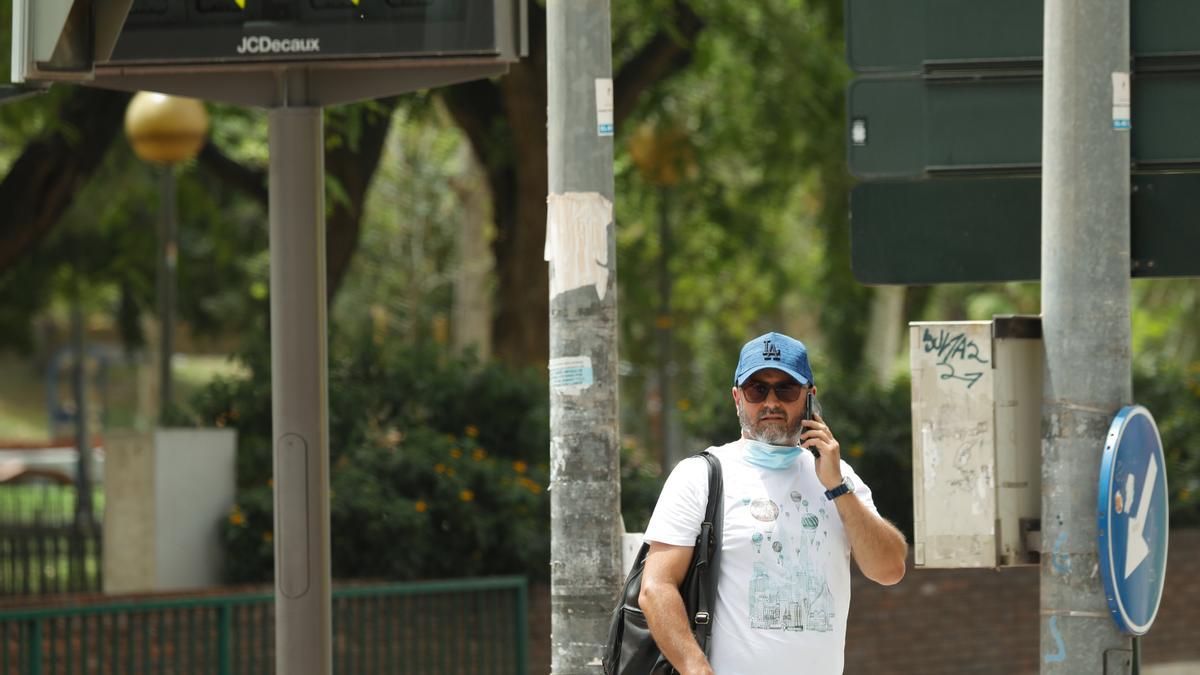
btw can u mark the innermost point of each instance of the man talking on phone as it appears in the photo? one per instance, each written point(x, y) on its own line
point(794, 515)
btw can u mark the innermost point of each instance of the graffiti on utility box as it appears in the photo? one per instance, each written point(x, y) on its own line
point(955, 351)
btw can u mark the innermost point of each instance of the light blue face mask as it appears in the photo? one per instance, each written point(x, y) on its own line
point(774, 457)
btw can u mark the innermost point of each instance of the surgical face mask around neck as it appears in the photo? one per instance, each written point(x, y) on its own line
point(767, 456)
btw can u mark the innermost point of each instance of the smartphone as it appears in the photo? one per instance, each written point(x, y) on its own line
point(810, 407)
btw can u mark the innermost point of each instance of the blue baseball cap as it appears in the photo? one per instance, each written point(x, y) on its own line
point(774, 350)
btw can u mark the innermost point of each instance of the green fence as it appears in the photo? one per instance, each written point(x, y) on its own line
point(466, 626)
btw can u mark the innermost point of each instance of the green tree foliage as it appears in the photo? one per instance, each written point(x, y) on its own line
point(438, 463)
point(760, 239)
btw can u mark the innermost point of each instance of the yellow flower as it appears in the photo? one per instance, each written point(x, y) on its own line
point(683, 404)
point(270, 482)
point(856, 450)
point(439, 467)
point(267, 536)
point(479, 454)
point(466, 495)
point(451, 472)
point(471, 430)
point(520, 467)
point(421, 506)
point(456, 453)
point(236, 518)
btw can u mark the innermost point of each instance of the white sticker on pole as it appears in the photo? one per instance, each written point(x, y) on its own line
point(604, 106)
point(577, 241)
point(1122, 101)
point(570, 375)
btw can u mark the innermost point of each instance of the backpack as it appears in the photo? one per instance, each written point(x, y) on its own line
point(630, 649)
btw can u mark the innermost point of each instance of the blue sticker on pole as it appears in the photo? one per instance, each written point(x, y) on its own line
point(1132, 510)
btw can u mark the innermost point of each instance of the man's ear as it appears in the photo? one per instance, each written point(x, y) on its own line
point(737, 401)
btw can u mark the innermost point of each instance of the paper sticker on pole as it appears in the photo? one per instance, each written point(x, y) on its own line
point(570, 375)
point(577, 241)
point(1122, 100)
point(604, 106)
point(1132, 510)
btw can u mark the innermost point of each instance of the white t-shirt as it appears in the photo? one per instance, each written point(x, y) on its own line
point(783, 588)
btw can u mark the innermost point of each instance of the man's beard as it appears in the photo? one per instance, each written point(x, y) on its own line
point(772, 433)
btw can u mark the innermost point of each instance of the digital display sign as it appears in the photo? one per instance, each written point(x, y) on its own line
point(247, 31)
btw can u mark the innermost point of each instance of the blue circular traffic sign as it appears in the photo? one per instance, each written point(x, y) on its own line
point(1132, 509)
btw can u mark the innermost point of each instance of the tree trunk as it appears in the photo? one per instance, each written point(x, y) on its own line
point(42, 183)
point(505, 122)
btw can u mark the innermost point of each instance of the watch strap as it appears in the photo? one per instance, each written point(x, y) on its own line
point(837, 492)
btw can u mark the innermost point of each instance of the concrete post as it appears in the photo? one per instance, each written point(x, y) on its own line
point(1086, 317)
point(585, 548)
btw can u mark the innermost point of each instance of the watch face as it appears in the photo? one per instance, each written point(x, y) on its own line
point(846, 480)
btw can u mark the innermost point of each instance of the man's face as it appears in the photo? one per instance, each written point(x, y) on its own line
point(771, 420)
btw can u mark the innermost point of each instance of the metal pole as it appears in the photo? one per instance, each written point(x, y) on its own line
point(299, 396)
point(1086, 319)
point(83, 482)
point(585, 544)
point(167, 257)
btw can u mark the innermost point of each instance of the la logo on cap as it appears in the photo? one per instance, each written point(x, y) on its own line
point(770, 351)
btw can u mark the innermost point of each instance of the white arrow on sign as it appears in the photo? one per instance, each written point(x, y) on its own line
point(1136, 547)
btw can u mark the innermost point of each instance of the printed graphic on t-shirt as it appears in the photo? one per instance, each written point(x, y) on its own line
point(788, 590)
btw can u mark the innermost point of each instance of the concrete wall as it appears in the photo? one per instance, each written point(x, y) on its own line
point(195, 481)
point(166, 493)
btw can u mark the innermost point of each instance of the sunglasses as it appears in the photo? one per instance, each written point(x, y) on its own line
point(787, 392)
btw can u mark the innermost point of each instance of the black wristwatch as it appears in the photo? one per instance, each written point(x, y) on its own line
point(847, 486)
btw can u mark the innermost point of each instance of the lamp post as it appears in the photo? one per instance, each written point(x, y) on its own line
point(165, 130)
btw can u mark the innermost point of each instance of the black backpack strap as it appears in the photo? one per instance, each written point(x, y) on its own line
point(708, 547)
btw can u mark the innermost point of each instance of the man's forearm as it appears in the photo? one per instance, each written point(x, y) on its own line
point(668, 621)
point(879, 548)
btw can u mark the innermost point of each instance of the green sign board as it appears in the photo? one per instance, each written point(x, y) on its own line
point(909, 36)
point(951, 230)
point(914, 126)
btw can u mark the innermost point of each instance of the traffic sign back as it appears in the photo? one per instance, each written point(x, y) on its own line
point(915, 126)
point(948, 230)
point(920, 35)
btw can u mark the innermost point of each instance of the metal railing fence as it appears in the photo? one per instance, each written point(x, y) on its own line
point(456, 627)
point(42, 559)
point(44, 548)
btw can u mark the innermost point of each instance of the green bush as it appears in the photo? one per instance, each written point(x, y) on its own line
point(438, 465)
point(1172, 394)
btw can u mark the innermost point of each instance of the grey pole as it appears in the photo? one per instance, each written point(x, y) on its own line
point(83, 478)
point(167, 258)
point(299, 394)
point(585, 543)
point(1086, 321)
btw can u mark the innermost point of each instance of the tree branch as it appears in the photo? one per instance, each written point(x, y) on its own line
point(248, 179)
point(667, 53)
point(42, 183)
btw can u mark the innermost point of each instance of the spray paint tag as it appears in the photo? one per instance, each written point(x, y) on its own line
point(570, 375)
point(604, 106)
point(1121, 116)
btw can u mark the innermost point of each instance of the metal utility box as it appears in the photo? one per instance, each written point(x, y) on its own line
point(976, 408)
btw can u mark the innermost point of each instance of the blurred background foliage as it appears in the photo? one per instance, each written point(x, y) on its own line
point(731, 184)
